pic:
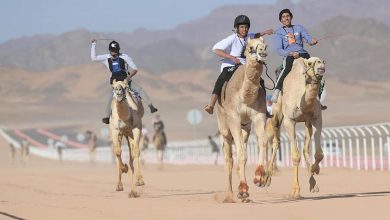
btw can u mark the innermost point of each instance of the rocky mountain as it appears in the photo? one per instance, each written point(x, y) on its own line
point(188, 45)
point(51, 77)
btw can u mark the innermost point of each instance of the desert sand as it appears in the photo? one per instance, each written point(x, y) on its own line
point(47, 189)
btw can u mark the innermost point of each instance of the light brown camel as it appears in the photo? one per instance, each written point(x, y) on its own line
point(126, 121)
point(299, 103)
point(92, 141)
point(160, 142)
point(241, 103)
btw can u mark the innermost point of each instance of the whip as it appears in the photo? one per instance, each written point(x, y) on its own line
point(105, 39)
point(330, 36)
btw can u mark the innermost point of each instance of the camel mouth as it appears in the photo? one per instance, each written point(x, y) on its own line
point(262, 57)
point(321, 71)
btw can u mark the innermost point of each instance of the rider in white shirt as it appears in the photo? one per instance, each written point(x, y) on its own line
point(121, 66)
point(231, 49)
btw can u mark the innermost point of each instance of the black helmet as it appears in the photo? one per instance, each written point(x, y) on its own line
point(242, 19)
point(286, 10)
point(114, 46)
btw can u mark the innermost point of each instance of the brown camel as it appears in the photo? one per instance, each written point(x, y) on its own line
point(126, 121)
point(299, 103)
point(242, 103)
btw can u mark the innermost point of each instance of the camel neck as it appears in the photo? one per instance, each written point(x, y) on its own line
point(123, 110)
point(311, 93)
point(251, 83)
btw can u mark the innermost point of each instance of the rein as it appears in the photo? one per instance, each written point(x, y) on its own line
point(266, 73)
point(309, 79)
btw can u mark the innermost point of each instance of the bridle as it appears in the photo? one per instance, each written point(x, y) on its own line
point(314, 79)
point(123, 93)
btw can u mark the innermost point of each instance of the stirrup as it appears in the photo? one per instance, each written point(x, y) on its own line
point(209, 109)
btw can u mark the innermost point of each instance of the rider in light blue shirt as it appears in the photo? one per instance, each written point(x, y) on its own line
point(289, 41)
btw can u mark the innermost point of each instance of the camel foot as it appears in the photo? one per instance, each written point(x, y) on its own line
point(124, 168)
point(228, 198)
point(295, 193)
point(315, 168)
point(263, 181)
point(119, 187)
point(260, 176)
point(246, 200)
point(133, 194)
point(242, 195)
point(313, 185)
point(140, 182)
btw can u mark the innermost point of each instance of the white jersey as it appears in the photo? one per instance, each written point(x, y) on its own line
point(234, 46)
point(104, 59)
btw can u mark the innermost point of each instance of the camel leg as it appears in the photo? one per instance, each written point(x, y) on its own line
point(296, 156)
point(133, 193)
point(227, 152)
point(276, 122)
point(242, 158)
point(318, 156)
point(135, 154)
point(122, 168)
point(306, 148)
point(260, 174)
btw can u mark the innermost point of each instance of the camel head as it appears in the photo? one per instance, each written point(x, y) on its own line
point(317, 66)
point(256, 50)
point(120, 88)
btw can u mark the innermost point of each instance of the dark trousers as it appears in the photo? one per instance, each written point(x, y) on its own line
point(225, 75)
point(289, 60)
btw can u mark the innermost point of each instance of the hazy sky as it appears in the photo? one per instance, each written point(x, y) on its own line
point(29, 17)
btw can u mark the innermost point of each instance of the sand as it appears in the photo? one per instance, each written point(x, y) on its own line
point(46, 189)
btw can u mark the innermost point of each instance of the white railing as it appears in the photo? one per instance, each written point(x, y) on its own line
point(364, 147)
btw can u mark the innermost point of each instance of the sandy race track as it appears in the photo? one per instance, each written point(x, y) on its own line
point(52, 190)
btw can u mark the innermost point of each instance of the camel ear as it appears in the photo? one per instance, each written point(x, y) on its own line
point(114, 81)
point(307, 62)
point(261, 39)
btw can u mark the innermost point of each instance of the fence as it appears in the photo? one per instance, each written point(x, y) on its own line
point(359, 147)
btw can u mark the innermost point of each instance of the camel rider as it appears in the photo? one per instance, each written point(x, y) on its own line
point(289, 44)
point(232, 50)
point(121, 66)
point(158, 126)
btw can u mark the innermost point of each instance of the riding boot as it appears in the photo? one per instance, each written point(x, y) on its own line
point(152, 108)
point(106, 120)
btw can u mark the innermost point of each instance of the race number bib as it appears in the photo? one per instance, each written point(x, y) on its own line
point(291, 38)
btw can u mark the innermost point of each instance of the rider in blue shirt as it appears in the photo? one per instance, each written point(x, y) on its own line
point(288, 41)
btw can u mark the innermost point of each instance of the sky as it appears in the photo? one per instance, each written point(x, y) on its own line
point(23, 18)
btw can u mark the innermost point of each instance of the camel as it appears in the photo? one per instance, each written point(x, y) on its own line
point(25, 151)
point(160, 142)
point(126, 121)
point(92, 141)
point(241, 103)
point(299, 103)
